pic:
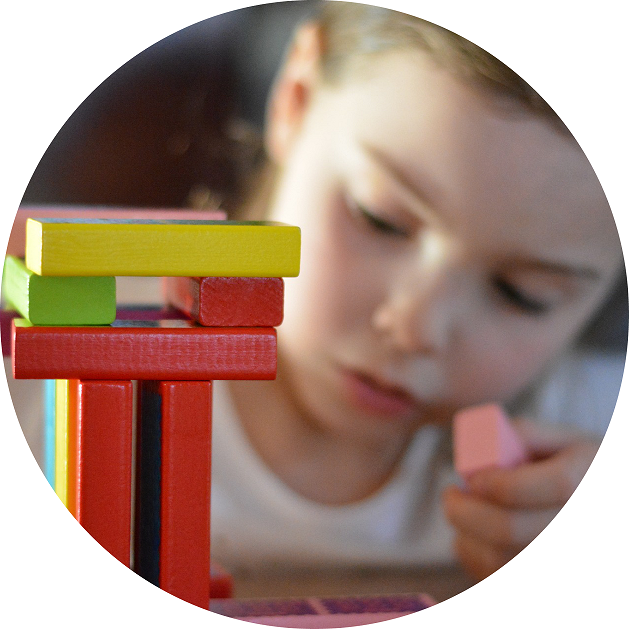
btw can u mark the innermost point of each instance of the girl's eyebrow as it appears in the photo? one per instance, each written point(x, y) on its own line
point(559, 268)
point(425, 192)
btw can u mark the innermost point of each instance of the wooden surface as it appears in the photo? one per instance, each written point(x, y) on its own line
point(82, 247)
point(144, 353)
point(228, 301)
point(58, 300)
point(439, 583)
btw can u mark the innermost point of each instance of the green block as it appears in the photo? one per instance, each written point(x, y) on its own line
point(58, 300)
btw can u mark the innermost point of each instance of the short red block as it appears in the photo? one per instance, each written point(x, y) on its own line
point(228, 301)
point(159, 350)
point(221, 582)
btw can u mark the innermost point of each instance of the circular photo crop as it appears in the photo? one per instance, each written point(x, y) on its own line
point(315, 315)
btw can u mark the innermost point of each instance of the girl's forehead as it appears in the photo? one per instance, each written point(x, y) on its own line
point(491, 170)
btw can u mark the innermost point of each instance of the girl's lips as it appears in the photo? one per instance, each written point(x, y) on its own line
point(376, 397)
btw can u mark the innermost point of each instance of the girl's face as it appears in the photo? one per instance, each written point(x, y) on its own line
point(452, 245)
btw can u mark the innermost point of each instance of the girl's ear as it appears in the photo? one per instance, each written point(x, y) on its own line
point(292, 91)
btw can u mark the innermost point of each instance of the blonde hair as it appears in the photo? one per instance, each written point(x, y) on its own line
point(353, 33)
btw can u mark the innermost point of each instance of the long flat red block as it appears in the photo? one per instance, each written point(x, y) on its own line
point(158, 350)
point(103, 464)
point(17, 238)
point(228, 301)
point(184, 569)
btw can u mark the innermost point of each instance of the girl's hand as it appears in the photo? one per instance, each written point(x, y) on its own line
point(501, 511)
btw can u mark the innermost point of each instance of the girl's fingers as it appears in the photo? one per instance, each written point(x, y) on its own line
point(496, 526)
point(540, 484)
point(478, 558)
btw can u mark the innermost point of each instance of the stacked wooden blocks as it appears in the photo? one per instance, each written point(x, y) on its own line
point(113, 375)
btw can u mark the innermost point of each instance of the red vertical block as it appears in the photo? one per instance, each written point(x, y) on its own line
point(186, 435)
point(103, 461)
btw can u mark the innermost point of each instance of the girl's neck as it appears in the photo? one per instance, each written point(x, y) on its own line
point(319, 466)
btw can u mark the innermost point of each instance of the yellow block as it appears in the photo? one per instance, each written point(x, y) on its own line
point(65, 442)
point(61, 440)
point(93, 247)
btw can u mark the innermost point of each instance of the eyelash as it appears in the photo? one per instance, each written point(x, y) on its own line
point(517, 298)
point(507, 291)
point(375, 222)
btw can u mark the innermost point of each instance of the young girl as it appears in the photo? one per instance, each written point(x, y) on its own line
point(456, 242)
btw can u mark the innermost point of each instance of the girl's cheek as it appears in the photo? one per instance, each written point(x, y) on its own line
point(501, 369)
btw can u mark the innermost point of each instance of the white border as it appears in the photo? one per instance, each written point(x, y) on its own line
point(54, 54)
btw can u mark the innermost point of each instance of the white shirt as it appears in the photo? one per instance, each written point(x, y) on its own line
point(259, 521)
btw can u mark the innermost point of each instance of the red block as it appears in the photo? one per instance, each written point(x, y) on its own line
point(221, 582)
point(101, 500)
point(6, 320)
point(171, 350)
point(186, 434)
point(228, 301)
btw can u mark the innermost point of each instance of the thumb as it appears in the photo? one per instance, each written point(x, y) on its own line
point(543, 440)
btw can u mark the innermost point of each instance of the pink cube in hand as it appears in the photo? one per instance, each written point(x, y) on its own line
point(484, 438)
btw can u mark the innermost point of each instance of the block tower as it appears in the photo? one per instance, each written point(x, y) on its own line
point(128, 424)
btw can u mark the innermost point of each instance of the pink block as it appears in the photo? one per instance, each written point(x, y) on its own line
point(17, 238)
point(484, 438)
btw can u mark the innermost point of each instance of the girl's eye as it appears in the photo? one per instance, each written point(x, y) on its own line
point(521, 300)
point(377, 223)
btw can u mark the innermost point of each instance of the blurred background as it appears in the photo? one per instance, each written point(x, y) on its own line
point(176, 126)
point(179, 126)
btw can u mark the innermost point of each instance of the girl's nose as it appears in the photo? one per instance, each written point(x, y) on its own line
point(423, 305)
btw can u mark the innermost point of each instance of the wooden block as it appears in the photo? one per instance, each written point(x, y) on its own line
point(65, 428)
point(103, 455)
point(61, 440)
point(59, 300)
point(484, 438)
point(162, 248)
point(185, 498)
point(148, 482)
point(176, 350)
point(49, 430)
point(228, 301)
point(149, 313)
point(221, 582)
point(17, 238)
point(173, 514)
point(6, 322)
